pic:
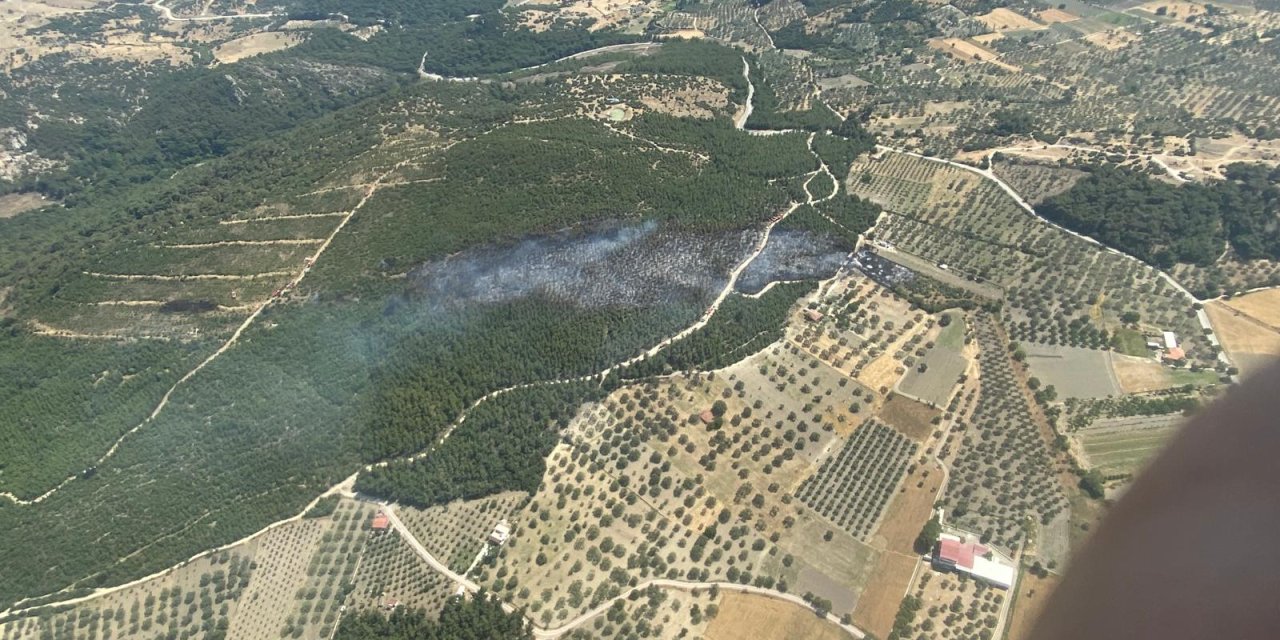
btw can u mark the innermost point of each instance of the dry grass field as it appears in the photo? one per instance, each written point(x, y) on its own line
point(751, 616)
point(1003, 19)
point(1250, 343)
point(1033, 592)
point(1260, 305)
point(889, 582)
point(1051, 16)
point(15, 203)
point(1175, 9)
point(255, 44)
point(1074, 372)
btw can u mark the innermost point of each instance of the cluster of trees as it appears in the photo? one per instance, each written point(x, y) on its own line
point(768, 112)
point(739, 326)
point(478, 618)
point(694, 58)
point(1165, 224)
point(491, 43)
point(501, 446)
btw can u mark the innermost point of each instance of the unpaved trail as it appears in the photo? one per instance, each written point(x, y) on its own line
point(243, 243)
point(194, 276)
point(740, 120)
point(626, 46)
point(158, 5)
point(295, 216)
point(1155, 158)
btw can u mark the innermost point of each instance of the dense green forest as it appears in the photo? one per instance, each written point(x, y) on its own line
point(740, 327)
point(1165, 224)
point(478, 618)
point(359, 366)
point(501, 446)
point(768, 112)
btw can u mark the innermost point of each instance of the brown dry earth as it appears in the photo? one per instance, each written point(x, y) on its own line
point(745, 615)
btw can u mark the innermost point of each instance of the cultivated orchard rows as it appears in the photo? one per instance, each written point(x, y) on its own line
point(1001, 474)
point(391, 575)
point(455, 533)
point(1173, 74)
point(853, 488)
point(1055, 283)
point(863, 321)
point(1035, 181)
point(199, 607)
point(646, 488)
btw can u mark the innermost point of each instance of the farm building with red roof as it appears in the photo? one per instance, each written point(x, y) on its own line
point(957, 554)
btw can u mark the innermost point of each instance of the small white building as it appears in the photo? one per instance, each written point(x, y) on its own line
point(1170, 340)
point(501, 532)
point(955, 553)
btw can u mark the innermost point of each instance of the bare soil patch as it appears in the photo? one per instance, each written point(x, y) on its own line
point(970, 52)
point(15, 203)
point(1112, 40)
point(910, 508)
point(913, 419)
point(1174, 9)
point(751, 616)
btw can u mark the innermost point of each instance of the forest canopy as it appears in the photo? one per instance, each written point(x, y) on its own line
point(1165, 224)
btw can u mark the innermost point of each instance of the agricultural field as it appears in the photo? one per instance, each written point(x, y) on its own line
point(853, 487)
point(745, 615)
point(1059, 289)
point(621, 274)
point(999, 433)
point(392, 575)
point(935, 378)
point(1073, 372)
point(1251, 343)
point(288, 582)
point(939, 605)
point(1145, 373)
point(1120, 447)
point(456, 532)
point(660, 613)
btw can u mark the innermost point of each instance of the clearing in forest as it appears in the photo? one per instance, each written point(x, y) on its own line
point(255, 44)
point(15, 203)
